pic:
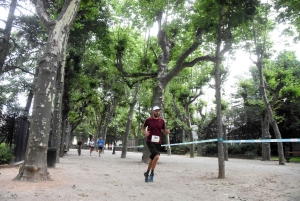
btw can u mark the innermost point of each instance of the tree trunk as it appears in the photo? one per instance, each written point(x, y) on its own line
point(218, 100)
point(63, 137)
point(225, 146)
point(270, 112)
point(4, 45)
point(266, 150)
point(68, 131)
point(35, 164)
point(129, 121)
point(109, 115)
point(29, 101)
point(199, 150)
point(188, 123)
point(146, 152)
point(56, 126)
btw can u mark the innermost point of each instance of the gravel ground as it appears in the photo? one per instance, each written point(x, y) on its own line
point(110, 177)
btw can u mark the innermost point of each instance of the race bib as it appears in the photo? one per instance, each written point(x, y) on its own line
point(155, 138)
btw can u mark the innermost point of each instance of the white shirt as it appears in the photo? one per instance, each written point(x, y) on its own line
point(92, 143)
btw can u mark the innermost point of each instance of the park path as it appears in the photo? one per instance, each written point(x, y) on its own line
point(110, 177)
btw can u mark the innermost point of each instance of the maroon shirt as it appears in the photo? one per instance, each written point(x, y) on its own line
point(155, 126)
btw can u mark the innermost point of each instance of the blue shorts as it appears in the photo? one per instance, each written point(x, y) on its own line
point(100, 147)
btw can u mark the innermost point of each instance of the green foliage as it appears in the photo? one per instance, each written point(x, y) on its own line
point(210, 148)
point(234, 149)
point(6, 154)
point(250, 154)
point(289, 11)
point(250, 150)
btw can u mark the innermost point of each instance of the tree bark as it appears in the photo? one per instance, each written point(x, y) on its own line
point(199, 150)
point(35, 163)
point(188, 123)
point(225, 145)
point(266, 150)
point(56, 126)
point(218, 99)
point(109, 115)
point(129, 121)
point(259, 64)
point(63, 137)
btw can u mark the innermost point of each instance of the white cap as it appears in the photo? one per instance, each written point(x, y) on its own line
point(156, 108)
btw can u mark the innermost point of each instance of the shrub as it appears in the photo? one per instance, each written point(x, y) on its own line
point(250, 154)
point(250, 150)
point(210, 148)
point(234, 149)
point(5, 154)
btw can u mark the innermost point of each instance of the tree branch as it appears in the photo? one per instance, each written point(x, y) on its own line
point(196, 60)
point(44, 17)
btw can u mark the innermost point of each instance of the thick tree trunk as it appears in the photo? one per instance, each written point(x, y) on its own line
point(56, 126)
point(129, 121)
point(109, 116)
point(35, 163)
point(4, 45)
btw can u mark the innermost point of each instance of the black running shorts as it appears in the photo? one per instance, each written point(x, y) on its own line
point(154, 149)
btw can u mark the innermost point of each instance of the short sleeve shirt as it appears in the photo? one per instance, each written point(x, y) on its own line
point(154, 126)
point(100, 143)
point(91, 143)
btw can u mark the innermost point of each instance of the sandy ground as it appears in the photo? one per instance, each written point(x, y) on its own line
point(176, 178)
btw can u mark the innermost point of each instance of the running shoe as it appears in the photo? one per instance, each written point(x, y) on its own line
point(151, 178)
point(146, 177)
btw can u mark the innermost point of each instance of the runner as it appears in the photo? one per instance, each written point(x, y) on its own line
point(79, 143)
point(91, 144)
point(100, 145)
point(154, 125)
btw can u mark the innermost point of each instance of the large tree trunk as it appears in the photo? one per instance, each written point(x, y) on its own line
point(109, 116)
point(35, 163)
point(270, 112)
point(56, 126)
point(4, 45)
point(129, 121)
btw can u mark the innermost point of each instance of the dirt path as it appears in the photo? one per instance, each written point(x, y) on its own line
point(176, 178)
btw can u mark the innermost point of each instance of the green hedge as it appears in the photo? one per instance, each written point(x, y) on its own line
point(6, 154)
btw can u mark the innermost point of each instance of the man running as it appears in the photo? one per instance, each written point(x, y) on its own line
point(152, 129)
point(100, 143)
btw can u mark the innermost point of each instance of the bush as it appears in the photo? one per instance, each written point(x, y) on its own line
point(234, 149)
point(250, 154)
point(5, 154)
point(250, 150)
point(210, 148)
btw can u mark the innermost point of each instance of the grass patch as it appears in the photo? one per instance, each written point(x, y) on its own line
point(294, 159)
